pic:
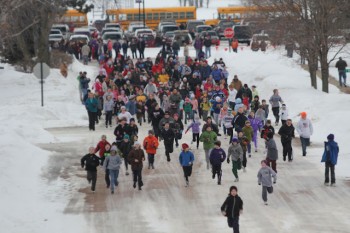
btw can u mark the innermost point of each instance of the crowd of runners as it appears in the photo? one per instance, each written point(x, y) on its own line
point(173, 97)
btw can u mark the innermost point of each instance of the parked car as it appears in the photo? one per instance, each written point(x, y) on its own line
point(131, 31)
point(261, 37)
point(55, 32)
point(215, 40)
point(169, 37)
point(55, 37)
point(63, 28)
point(243, 33)
point(168, 28)
point(192, 24)
point(80, 38)
point(113, 36)
point(183, 36)
point(104, 30)
point(112, 25)
point(202, 28)
point(82, 31)
point(150, 40)
point(140, 32)
point(222, 25)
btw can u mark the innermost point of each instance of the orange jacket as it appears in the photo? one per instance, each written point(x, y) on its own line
point(234, 44)
point(150, 143)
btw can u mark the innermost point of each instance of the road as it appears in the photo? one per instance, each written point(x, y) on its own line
point(300, 202)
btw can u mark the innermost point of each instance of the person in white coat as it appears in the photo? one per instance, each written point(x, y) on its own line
point(284, 114)
point(305, 130)
point(232, 92)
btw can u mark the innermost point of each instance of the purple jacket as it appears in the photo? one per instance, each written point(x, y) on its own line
point(198, 44)
point(195, 127)
point(255, 123)
point(217, 156)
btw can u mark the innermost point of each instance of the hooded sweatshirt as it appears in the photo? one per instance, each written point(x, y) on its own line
point(235, 151)
point(265, 175)
point(112, 162)
point(304, 128)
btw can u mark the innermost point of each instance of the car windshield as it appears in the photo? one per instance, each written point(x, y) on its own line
point(170, 28)
point(113, 36)
point(169, 34)
point(135, 28)
point(210, 33)
point(62, 29)
point(55, 32)
point(55, 36)
point(226, 24)
point(147, 37)
point(193, 25)
point(201, 29)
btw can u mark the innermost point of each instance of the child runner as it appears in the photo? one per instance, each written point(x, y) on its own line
point(195, 130)
point(112, 163)
point(208, 137)
point(150, 144)
point(265, 175)
point(217, 156)
point(235, 151)
point(186, 160)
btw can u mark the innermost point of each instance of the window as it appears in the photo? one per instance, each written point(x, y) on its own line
point(129, 17)
point(169, 15)
point(189, 15)
point(74, 18)
point(82, 19)
point(149, 16)
point(182, 15)
point(175, 15)
point(155, 16)
point(122, 17)
point(162, 15)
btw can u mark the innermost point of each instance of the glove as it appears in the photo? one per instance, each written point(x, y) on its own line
point(228, 161)
point(259, 183)
point(274, 182)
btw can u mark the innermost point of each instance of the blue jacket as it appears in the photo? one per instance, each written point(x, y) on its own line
point(238, 104)
point(217, 156)
point(216, 75)
point(84, 83)
point(330, 153)
point(217, 106)
point(91, 104)
point(186, 157)
point(205, 72)
point(131, 107)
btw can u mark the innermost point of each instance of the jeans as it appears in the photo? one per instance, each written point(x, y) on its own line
point(305, 142)
point(109, 115)
point(114, 178)
point(329, 166)
point(176, 52)
point(92, 177)
point(276, 113)
point(233, 223)
point(150, 159)
point(85, 59)
point(207, 52)
point(342, 75)
point(216, 118)
point(83, 93)
point(216, 169)
point(134, 54)
point(92, 120)
point(266, 190)
point(207, 154)
point(137, 177)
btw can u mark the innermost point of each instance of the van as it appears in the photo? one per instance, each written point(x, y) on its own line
point(63, 28)
point(243, 33)
point(192, 24)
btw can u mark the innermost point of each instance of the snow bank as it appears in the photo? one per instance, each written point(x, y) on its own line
point(24, 197)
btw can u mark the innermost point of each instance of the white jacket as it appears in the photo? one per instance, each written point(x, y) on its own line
point(232, 95)
point(284, 114)
point(304, 128)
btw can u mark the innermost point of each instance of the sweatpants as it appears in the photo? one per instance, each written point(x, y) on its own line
point(187, 171)
point(137, 177)
point(92, 177)
point(92, 119)
point(233, 223)
point(195, 138)
point(329, 167)
point(287, 150)
point(150, 159)
point(217, 171)
point(207, 154)
point(276, 113)
point(109, 115)
point(266, 190)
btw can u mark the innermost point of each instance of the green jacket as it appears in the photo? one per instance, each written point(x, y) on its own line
point(248, 132)
point(208, 139)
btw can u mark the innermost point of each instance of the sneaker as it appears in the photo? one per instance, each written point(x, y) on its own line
point(256, 150)
point(326, 183)
point(284, 158)
point(213, 176)
point(250, 155)
point(187, 184)
point(219, 182)
point(290, 160)
point(107, 186)
point(110, 125)
point(126, 173)
point(134, 185)
point(236, 180)
point(106, 126)
point(265, 203)
point(168, 158)
point(140, 188)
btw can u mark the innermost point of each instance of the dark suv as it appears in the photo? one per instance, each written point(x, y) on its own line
point(243, 33)
point(222, 25)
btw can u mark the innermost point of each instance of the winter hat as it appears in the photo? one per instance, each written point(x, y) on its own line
point(126, 137)
point(185, 146)
point(136, 143)
point(132, 119)
point(234, 139)
point(330, 137)
point(303, 114)
point(151, 132)
point(114, 148)
point(246, 122)
point(217, 98)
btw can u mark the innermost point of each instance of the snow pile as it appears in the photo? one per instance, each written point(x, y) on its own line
point(273, 69)
point(22, 199)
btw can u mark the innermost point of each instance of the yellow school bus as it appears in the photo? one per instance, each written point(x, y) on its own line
point(153, 15)
point(74, 18)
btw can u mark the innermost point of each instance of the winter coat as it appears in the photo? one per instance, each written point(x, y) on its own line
point(239, 121)
point(136, 154)
point(101, 147)
point(275, 101)
point(255, 123)
point(120, 131)
point(330, 153)
point(287, 133)
point(235, 152)
point(187, 107)
point(239, 104)
point(168, 136)
point(232, 95)
point(84, 82)
point(164, 120)
point(217, 106)
point(112, 162)
point(85, 50)
point(176, 46)
point(90, 162)
point(243, 141)
point(198, 44)
point(216, 74)
point(175, 98)
point(265, 175)
point(91, 104)
point(195, 127)
point(213, 126)
point(255, 105)
point(272, 152)
point(227, 121)
point(125, 148)
point(260, 114)
point(208, 139)
point(186, 158)
point(193, 82)
point(248, 132)
point(304, 128)
point(108, 105)
point(217, 156)
point(284, 114)
point(205, 71)
point(266, 129)
point(150, 144)
point(232, 206)
point(341, 65)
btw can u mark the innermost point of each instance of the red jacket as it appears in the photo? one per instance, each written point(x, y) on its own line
point(109, 69)
point(207, 85)
point(156, 68)
point(150, 143)
point(101, 146)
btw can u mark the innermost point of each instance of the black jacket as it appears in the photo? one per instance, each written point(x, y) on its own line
point(90, 162)
point(120, 131)
point(341, 65)
point(232, 206)
point(207, 42)
point(168, 136)
point(265, 130)
point(239, 120)
point(286, 132)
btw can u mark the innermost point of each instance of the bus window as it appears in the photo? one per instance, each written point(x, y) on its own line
point(189, 15)
point(122, 16)
point(129, 17)
point(66, 19)
point(74, 18)
point(82, 19)
point(156, 16)
point(182, 15)
point(169, 15)
point(162, 15)
point(175, 15)
point(149, 16)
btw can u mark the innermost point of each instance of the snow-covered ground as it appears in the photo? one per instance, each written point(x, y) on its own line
point(30, 202)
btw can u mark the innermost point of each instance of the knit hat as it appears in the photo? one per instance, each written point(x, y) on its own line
point(303, 114)
point(151, 132)
point(330, 137)
point(185, 146)
point(126, 137)
point(234, 139)
point(114, 148)
point(136, 143)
